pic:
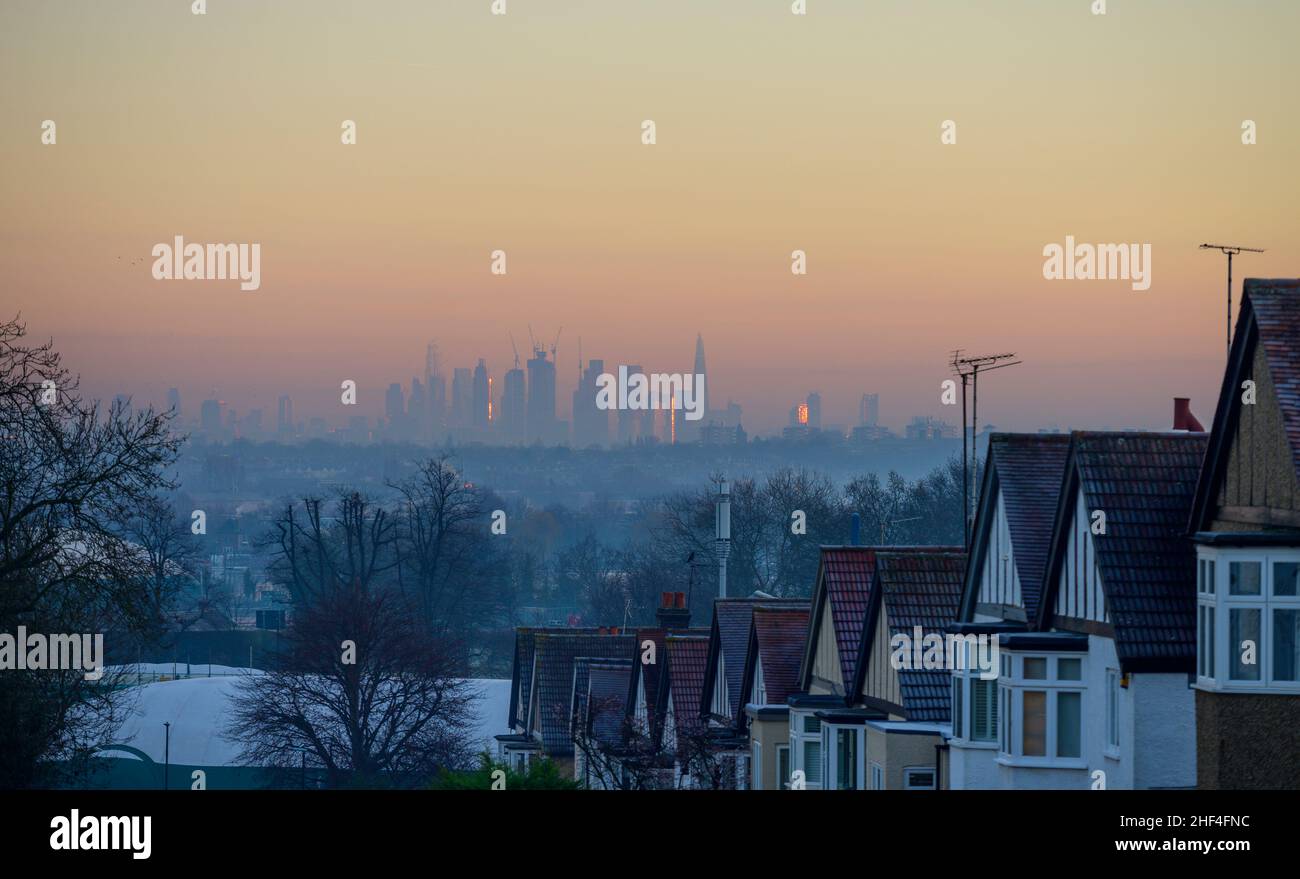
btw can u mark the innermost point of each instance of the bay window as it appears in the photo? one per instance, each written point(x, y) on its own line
point(1042, 707)
point(974, 705)
point(1248, 619)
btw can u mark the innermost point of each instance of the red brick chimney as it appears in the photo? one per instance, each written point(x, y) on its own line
point(673, 612)
point(1183, 417)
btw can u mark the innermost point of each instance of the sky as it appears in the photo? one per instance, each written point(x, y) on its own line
point(774, 132)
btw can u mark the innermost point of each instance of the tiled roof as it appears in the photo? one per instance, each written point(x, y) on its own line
point(1276, 308)
point(844, 587)
point(920, 589)
point(521, 676)
point(731, 621)
point(1270, 320)
point(778, 635)
point(581, 678)
point(1029, 468)
point(1145, 483)
point(607, 700)
point(647, 675)
point(554, 655)
point(686, 660)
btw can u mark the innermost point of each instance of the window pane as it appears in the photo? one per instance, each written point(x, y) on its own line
point(1069, 669)
point(984, 710)
point(958, 684)
point(812, 725)
point(1286, 645)
point(1243, 578)
point(1112, 708)
point(1034, 741)
point(1286, 578)
point(783, 767)
point(1243, 642)
point(1209, 573)
point(1035, 668)
point(812, 762)
point(846, 748)
point(1068, 718)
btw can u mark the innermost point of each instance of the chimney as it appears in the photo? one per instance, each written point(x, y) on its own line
point(673, 613)
point(1183, 417)
point(855, 530)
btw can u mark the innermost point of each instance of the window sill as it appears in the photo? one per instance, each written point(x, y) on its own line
point(1209, 685)
point(968, 745)
point(1041, 763)
point(1111, 754)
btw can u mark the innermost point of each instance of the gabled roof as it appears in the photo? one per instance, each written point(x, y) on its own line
point(1144, 483)
point(521, 673)
point(915, 587)
point(607, 700)
point(729, 639)
point(687, 656)
point(554, 653)
point(1269, 318)
point(776, 639)
point(844, 577)
point(1026, 470)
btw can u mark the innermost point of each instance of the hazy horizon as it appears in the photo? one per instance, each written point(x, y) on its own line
point(775, 132)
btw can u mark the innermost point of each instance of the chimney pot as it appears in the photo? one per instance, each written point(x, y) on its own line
point(680, 601)
point(665, 599)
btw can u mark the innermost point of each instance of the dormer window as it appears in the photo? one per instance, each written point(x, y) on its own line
point(1248, 619)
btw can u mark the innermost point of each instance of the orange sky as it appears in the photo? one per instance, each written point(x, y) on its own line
point(775, 132)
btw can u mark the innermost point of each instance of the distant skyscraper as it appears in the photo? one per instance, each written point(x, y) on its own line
point(462, 397)
point(436, 391)
point(541, 398)
point(482, 394)
point(174, 402)
point(869, 410)
point(417, 413)
point(284, 417)
point(700, 371)
point(210, 416)
point(513, 402)
point(394, 407)
point(815, 411)
point(590, 422)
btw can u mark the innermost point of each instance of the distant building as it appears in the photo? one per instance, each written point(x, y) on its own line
point(394, 407)
point(590, 422)
point(541, 425)
point(284, 416)
point(869, 410)
point(513, 403)
point(462, 397)
point(482, 403)
point(210, 416)
point(925, 427)
point(814, 405)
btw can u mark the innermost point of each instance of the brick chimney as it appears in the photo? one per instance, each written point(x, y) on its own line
point(673, 612)
point(1183, 417)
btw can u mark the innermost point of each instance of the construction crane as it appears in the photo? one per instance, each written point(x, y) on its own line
point(514, 348)
point(1230, 250)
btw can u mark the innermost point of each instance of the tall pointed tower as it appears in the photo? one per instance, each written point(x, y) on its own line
point(699, 370)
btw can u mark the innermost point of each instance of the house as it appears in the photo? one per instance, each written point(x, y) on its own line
point(827, 690)
point(902, 673)
point(542, 689)
point(1010, 540)
point(722, 698)
point(680, 699)
point(1096, 694)
point(601, 742)
point(1245, 524)
point(771, 675)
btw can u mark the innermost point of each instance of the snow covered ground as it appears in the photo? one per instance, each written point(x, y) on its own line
point(198, 710)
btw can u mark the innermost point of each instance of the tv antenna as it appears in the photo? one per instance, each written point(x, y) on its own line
point(1231, 250)
point(968, 369)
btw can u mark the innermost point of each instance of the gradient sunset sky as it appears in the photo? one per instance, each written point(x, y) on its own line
point(775, 132)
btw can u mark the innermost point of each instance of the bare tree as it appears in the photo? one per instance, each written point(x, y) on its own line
point(316, 553)
point(68, 470)
point(363, 693)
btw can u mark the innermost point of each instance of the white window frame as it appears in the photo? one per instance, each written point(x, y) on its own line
point(831, 755)
point(909, 771)
point(798, 739)
point(1114, 731)
point(877, 777)
point(964, 680)
point(1213, 617)
point(783, 783)
point(756, 761)
point(1011, 690)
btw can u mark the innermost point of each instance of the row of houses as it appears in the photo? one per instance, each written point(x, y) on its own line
point(1127, 615)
